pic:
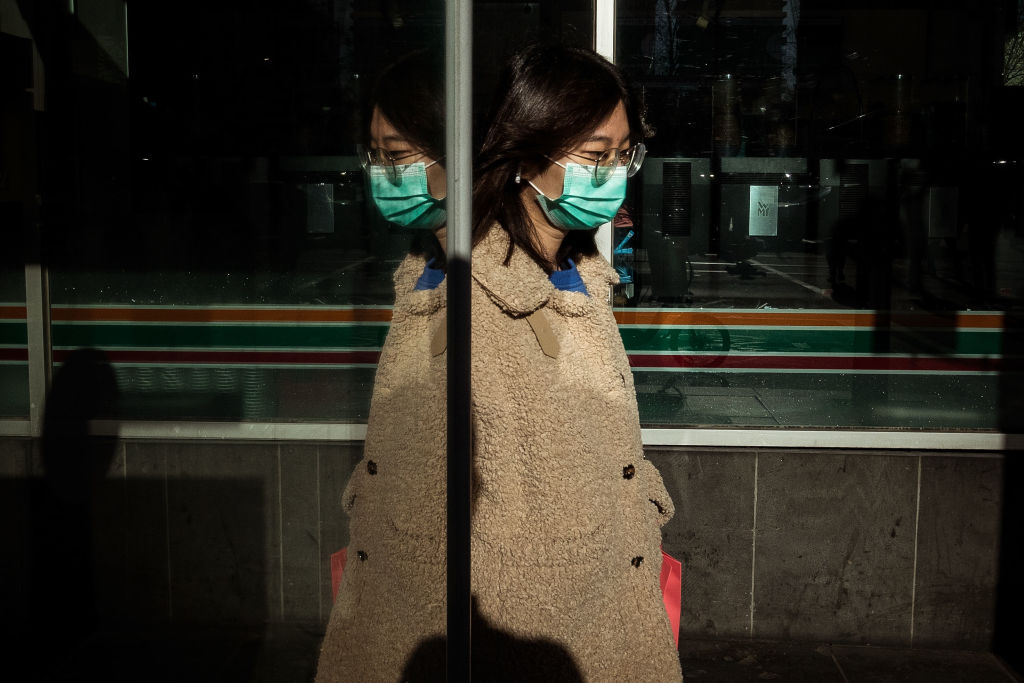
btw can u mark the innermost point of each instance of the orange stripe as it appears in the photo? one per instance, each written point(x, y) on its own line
point(808, 319)
point(13, 312)
point(207, 315)
point(992, 321)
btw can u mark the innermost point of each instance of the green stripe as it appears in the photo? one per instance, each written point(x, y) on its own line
point(14, 334)
point(749, 340)
point(797, 341)
point(217, 336)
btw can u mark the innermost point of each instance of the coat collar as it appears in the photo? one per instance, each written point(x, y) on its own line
point(408, 299)
point(522, 287)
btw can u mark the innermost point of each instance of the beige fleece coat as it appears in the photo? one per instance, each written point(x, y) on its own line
point(567, 512)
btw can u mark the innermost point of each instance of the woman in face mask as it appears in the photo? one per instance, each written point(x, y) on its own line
point(567, 511)
point(390, 597)
point(403, 155)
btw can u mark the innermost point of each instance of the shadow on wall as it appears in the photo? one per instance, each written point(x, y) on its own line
point(160, 548)
point(498, 657)
point(62, 531)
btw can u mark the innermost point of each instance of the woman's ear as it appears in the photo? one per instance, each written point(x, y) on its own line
point(527, 171)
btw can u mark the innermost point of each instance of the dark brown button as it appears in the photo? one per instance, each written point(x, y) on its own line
point(361, 555)
point(628, 472)
point(637, 561)
point(371, 467)
point(661, 510)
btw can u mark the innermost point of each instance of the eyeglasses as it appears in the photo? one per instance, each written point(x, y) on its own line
point(607, 161)
point(381, 157)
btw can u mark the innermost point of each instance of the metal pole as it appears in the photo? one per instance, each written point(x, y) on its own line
point(604, 45)
point(458, 150)
point(37, 309)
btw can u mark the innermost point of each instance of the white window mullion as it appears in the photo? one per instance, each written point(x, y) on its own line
point(604, 45)
point(37, 318)
point(604, 29)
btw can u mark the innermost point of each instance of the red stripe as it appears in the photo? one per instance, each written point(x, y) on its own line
point(637, 360)
point(209, 315)
point(885, 320)
point(14, 354)
point(246, 357)
point(12, 312)
point(640, 360)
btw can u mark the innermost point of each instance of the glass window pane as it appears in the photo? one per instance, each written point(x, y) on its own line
point(19, 105)
point(209, 226)
point(821, 234)
point(14, 401)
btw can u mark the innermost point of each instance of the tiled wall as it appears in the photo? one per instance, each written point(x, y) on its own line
point(192, 531)
point(845, 546)
point(839, 546)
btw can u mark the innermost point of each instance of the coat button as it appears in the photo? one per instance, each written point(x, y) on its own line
point(362, 556)
point(637, 561)
point(628, 472)
point(371, 467)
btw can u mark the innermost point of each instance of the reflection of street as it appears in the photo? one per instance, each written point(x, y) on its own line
point(814, 368)
point(931, 360)
point(822, 401)
point(949, 276)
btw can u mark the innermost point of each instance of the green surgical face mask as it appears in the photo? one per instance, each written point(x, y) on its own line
point(584, 204)
point(406, 201)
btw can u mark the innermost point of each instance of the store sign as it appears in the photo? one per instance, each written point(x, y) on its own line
point(764, 211)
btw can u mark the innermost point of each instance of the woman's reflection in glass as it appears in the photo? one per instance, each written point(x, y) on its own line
point(391, 596)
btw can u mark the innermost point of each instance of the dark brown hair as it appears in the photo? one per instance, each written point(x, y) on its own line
point(410, 94)
point(551, 98)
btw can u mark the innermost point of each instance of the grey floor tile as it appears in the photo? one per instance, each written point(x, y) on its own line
point(835, 547)
point(223, 532)
point(111, 516)
point(289, 653)
point(300, 534)
point(13, 457)
point(958, 546)
point(723, 661)
point(891, 665)
point(336, 463)
point(286, 653)
point(711, 535)
point(145, 594)
point(15, 502)
point(34, 457)
point(715, 582)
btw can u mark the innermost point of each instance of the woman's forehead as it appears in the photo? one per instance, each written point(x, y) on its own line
point(614, 130)
point(382, 130)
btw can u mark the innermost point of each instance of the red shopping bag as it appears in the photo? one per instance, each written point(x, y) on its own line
point(337, 567)
point(671, 584)
point(672, 590)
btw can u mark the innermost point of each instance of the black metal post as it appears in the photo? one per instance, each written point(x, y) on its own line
point(458, 98)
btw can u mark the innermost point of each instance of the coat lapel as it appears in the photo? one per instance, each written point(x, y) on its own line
point(522, 287)
point(408, 299)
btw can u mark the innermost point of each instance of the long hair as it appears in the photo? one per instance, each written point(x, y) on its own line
point(551, 98)
point(409, 93)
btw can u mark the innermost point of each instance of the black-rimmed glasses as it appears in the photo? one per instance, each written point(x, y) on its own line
point(607, 161)
point(381, 157)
